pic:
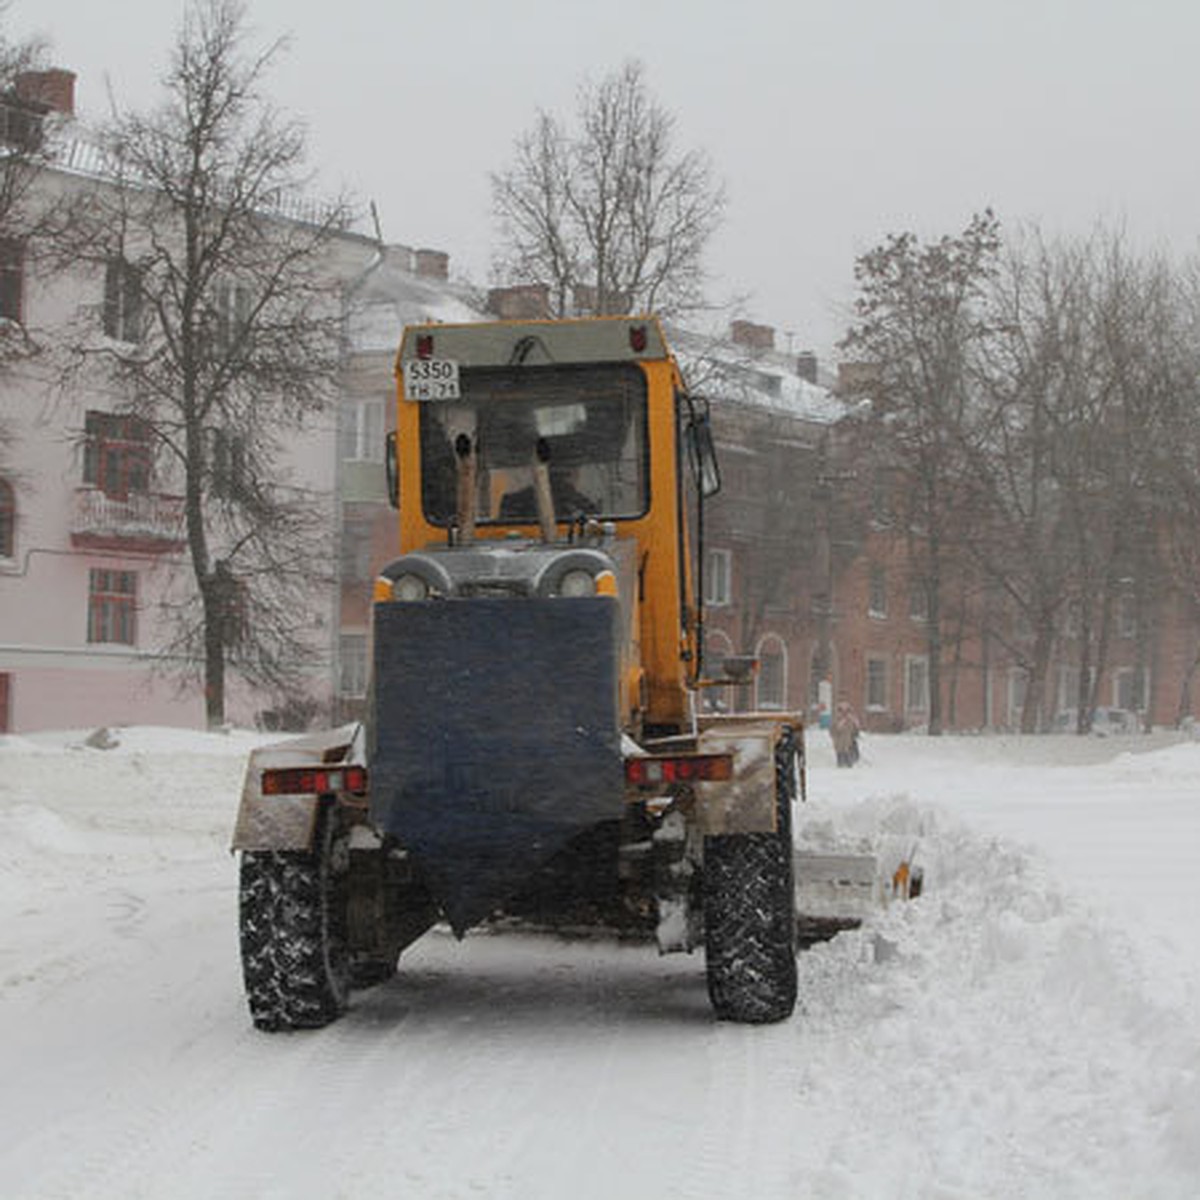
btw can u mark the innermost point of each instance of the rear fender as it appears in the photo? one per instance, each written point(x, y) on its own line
point(745, 803)
point(288, 822)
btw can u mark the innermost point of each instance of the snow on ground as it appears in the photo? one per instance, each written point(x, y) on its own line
point(1028, 1028)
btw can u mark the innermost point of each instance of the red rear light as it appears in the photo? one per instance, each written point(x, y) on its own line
point(313, 781)
point(689, 768)
point(637, 338)
point(424, 345)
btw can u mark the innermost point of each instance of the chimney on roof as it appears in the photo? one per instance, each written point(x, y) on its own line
point(433, 264)
point(752, 336)
point(54, 88)
point(806, 365)
point(521, 302)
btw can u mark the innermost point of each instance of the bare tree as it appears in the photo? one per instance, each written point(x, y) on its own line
point(27, 127)
point(607, 214)
point(1026, 466)
point(1065, 453)
point(222, 335)
point(920, 318)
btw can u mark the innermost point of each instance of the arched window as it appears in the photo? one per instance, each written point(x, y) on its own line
point(717, 699)
point(8, 520)
point(772, 672)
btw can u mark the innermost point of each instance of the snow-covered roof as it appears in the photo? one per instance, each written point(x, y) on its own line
point(391, 294)
point(726, 371)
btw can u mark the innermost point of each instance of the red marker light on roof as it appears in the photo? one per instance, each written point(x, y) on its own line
point(637, 338)
point(424, 345)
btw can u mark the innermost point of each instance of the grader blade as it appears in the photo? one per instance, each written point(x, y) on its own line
point(836, 892)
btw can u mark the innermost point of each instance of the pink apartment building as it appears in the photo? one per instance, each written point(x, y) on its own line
point(91, 530)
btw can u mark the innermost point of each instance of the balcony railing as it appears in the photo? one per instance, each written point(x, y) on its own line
point(145, 521)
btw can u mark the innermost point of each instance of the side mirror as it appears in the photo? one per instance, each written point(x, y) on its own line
point(702, 455)
point(392, 461)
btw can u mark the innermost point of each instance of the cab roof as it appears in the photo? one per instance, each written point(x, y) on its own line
point(537, 343)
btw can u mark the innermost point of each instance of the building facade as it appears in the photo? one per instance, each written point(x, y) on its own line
point(808, 568)
point(93, 560)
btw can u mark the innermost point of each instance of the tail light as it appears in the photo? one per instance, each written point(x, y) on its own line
point(313, 781)
point(660, 770)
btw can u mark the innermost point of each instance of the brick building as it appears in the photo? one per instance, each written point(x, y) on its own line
point(807, 568)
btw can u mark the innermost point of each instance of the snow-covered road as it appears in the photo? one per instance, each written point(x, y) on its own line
point(1028, 1028)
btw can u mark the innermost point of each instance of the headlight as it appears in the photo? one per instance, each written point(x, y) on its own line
point(577, 583)
point(410, 587)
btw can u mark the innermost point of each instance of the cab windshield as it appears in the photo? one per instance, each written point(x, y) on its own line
point(586, 423)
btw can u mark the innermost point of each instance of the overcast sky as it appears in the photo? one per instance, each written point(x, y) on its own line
point(831, 122)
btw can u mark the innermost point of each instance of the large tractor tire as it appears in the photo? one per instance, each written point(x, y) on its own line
point(749, 913)
point(293, 932)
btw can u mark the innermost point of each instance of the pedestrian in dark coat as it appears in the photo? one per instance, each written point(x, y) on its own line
point(844, 732)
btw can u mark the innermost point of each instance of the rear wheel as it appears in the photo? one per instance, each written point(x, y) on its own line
point(749, 913)
point(293, 931)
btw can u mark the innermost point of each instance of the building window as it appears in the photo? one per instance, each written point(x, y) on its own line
point(881, 497)
point(112, 607)
point(1022, 622)
point(356, 550)
point(1072, 619)
point(8, 520)
point(12, 279)
point(717, 699)
point(717, 579)
point(21, 126)
point(352, 669)
point(1067, 691)
point(122, 301)
point(771, 385)
point(228, 464)
point(877, 592)
point(1018, 685)
point(1127, 623)
point(116, 453)
point(235, 303)
point(918, 600)
point(772, 673)
point(877, 681)
point(916, 684)
point(1131, 686)
point(363, 431)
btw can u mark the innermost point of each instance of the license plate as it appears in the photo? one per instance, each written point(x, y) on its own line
point(431, 379)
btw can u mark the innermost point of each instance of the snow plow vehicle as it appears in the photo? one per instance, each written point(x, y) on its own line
point(533, 742)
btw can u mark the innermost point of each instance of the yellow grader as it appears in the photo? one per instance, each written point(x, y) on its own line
point(533, 745)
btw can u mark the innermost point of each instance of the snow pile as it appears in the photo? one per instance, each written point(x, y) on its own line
point(1029, 1027)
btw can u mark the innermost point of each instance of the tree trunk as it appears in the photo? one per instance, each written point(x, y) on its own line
point(1036, 690)
point(214, 651)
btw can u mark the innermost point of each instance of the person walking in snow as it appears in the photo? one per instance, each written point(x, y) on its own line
point(843, 729)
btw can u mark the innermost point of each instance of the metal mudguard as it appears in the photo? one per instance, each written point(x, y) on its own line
point(495, 738)
point(746, 803)
point(286, 822)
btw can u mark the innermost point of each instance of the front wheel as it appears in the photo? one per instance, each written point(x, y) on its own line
point(749, 914)
point(292, 906)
